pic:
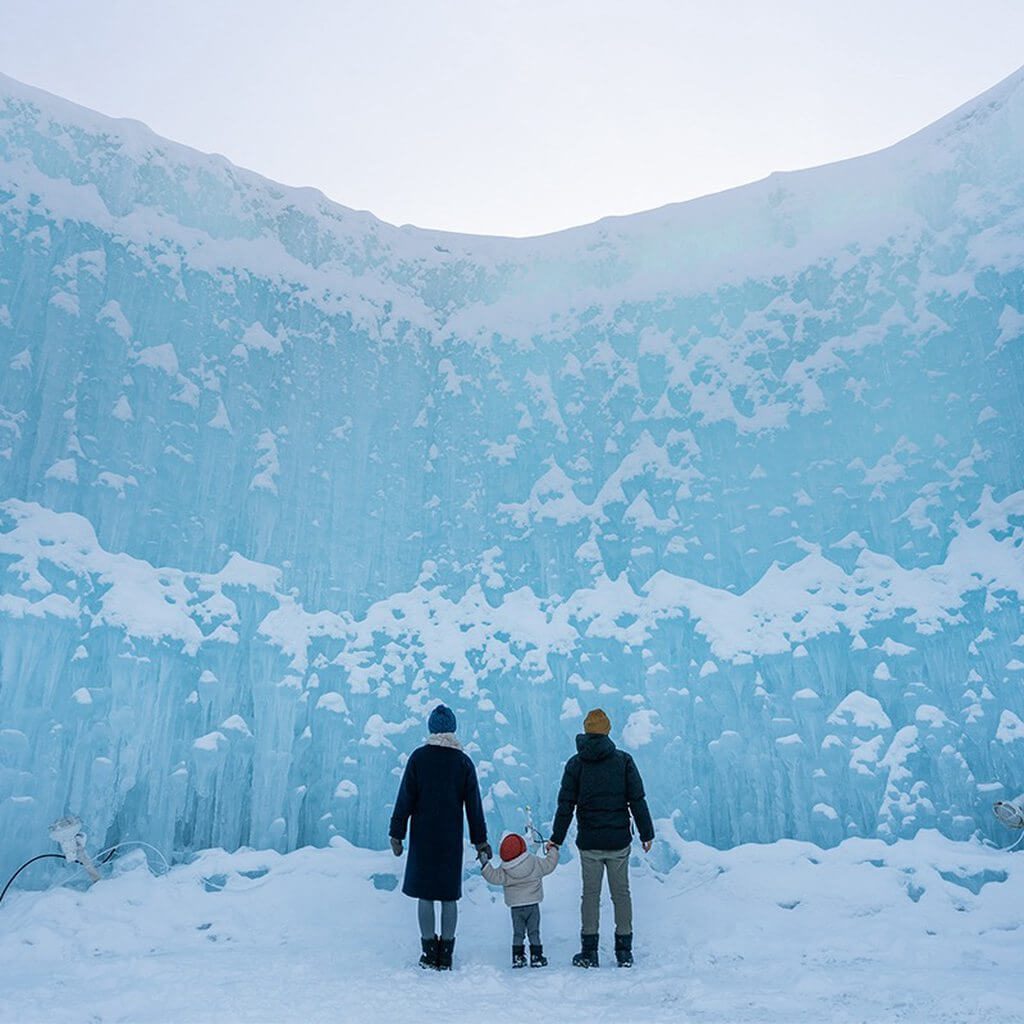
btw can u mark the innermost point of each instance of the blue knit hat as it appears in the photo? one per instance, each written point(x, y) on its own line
point(442, 719)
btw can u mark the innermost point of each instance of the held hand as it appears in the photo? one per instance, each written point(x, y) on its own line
point(549, 846)
point(484, 853)
point(647, 844)
point(396, 846)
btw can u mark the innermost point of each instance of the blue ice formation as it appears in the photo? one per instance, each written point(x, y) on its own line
point(276, 477)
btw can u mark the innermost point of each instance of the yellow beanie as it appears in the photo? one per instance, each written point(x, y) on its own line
point(597, 722)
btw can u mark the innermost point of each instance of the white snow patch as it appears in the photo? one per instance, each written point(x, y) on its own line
point(159, 357)
point(640, 728)
point(63, 469)
point(333, 702)
point(220, 420)
point(1010, 728)
point(21, 361)
point(257, 338)
point(236, 723)
point(123, 410)
point(211, 742)
point(112, 316)
point(861, 711)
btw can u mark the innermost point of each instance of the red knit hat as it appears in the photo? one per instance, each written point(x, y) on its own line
point(512, 846)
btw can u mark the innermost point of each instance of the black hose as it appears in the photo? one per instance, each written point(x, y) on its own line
point(41, 856)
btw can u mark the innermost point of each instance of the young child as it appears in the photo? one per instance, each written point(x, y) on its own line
point(521, 874)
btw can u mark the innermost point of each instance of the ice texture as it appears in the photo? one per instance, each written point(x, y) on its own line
point(275, 477)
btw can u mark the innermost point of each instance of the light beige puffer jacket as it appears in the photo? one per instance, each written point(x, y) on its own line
point(522, 878)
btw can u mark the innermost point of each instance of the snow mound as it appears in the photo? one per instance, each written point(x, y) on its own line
point(899, 932)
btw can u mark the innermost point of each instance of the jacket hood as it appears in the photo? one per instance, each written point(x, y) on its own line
point(521, 866)
point(594, 746)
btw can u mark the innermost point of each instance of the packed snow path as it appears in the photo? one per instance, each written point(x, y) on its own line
point(926, 930)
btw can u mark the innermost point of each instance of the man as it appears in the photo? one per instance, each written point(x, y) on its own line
point(602, 785)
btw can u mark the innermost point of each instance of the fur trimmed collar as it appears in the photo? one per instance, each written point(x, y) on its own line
point(443, 739)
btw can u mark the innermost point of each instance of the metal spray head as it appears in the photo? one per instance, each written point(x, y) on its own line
point(1010, 812)
point(68, 835)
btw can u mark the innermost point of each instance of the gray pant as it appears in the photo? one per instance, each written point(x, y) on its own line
point(526, 920)
point(428, 918)
point(594, 863)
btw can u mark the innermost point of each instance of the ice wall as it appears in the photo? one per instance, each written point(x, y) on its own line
point(276, 476)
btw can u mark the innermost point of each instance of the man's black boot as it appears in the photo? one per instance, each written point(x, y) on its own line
point(587, 956)
point(624, 950)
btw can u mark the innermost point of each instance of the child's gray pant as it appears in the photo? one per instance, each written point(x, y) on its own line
point(526, 921)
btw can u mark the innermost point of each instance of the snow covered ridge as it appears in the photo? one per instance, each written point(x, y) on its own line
point(745, 471)
point(189, 210)
point(917, 931)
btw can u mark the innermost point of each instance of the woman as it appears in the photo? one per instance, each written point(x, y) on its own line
point(439, 782)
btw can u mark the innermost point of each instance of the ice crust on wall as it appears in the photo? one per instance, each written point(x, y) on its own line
point(276, 476)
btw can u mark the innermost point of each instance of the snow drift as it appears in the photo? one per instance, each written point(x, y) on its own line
point(924, 930)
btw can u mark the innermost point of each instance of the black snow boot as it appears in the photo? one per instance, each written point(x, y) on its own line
point(445, 948)
point(624, 950)
point(518, 956)
point(587, 956)
point(428, 961)
point(537, 957)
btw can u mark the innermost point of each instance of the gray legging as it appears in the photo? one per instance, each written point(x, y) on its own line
point(428, 918)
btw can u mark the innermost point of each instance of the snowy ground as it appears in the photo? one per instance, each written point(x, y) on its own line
point(927, 930)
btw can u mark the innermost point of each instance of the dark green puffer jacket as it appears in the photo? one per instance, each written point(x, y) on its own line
point(602, 785)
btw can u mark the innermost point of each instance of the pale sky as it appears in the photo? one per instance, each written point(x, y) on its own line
point(517, 116)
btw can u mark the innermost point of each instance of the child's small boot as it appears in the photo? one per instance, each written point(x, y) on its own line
point(624, 950)
point(518, 956)
point(537, 957)
point(428, 961)
point(587, 956)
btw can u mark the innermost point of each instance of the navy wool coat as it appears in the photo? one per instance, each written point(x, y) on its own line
point(438, 786)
